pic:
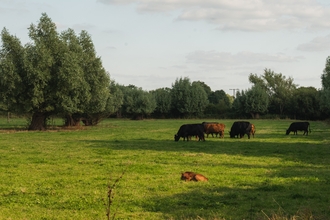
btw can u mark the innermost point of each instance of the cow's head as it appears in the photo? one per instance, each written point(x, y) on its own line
point(176, 137)
point(231, 134)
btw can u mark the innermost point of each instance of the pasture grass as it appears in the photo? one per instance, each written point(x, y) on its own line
point(65, 173)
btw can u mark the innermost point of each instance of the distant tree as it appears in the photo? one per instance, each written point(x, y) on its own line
point(231, 99)
point(305, 103)
point(137, 102)
point(206, 88)
point(199, 99)
point(52, 75)
point(116, 98)
point(256, 101)
point(325, 91)
point(239, 105)
point(219, 96)
point(113, 105)
point(180, 96)
point(219, 110)
point(219, 104)
point(188, 99)
point(163, 101)
point(278, 87)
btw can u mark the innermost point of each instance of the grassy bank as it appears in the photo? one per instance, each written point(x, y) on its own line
point(64, 174)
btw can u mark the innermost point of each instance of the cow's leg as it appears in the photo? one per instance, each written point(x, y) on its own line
point(201, 137)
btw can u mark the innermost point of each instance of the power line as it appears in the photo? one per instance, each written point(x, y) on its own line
point(234, 92)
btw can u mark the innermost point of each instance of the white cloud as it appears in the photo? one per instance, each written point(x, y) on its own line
point(213, 58)
point(317, 44)
point(111, 48)
point(83, 26)
point(243, 15)
point(116, 2)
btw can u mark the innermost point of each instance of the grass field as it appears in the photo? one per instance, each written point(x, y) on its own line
point(64, 174)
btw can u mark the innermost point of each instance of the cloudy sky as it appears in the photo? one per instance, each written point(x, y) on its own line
point(151, 43)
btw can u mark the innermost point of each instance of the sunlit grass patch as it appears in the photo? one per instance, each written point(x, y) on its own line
point(65, 174)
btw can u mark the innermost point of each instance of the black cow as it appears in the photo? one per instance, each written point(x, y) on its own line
point(240, 128)
point(188, 130)
point(299, 126)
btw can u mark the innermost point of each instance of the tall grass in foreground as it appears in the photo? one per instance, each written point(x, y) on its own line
point(64, 174)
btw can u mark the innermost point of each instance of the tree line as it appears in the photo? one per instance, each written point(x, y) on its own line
point(59, 74)
point(272, 95)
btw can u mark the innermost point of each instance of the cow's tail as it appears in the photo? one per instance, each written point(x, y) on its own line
point(309, 128)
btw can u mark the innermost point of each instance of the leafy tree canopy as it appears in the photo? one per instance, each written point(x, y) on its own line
point(53, 74)
point(188, 98)
point(163, 100)
point(325, 91)
point(278, 87)
point(137, 103)
point(305, 103)
point(256, 101)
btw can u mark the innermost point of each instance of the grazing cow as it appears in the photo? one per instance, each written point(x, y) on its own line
point(240, 128)
point(188, 130)
point(253, 130)
point(299, 126)
point(214, 128)
point(191, 176)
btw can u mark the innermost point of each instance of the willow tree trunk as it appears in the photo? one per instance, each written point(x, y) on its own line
point(38, 122)
point(255, 115)
point(72, 121)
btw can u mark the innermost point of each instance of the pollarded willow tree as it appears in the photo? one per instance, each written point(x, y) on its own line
point(93, 74)
point(115, 99)
point(256, 101)
point(325, 91)
point(239, 105)
point(163, 101)
point(137, 103)
point(305, 104)
point(188, 99)
point(278, 87)
point(54, 74)
point(219, 103)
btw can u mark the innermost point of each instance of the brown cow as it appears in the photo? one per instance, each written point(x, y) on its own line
point(214, 128)
point(191, 176)
point(253, 130)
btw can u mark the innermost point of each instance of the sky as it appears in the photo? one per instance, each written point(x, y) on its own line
point(152, 43)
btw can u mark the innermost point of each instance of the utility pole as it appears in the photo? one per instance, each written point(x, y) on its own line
point(234, 92)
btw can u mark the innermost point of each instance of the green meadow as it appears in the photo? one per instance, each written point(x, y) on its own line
point(65, 173)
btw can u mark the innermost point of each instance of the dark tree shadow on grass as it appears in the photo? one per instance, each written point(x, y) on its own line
point(204, 201)
point(305, 189)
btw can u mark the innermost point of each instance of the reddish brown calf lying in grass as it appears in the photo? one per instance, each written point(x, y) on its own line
point(191, 176)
